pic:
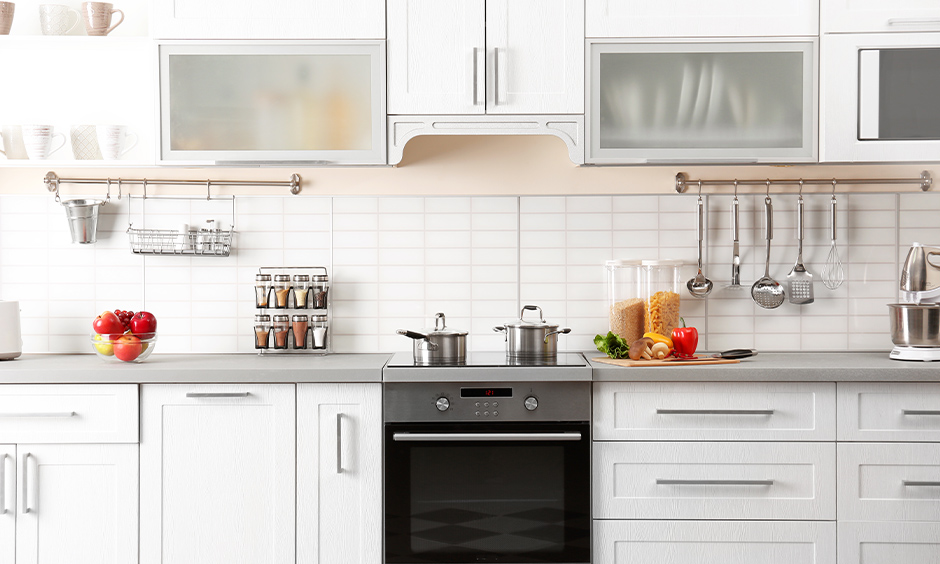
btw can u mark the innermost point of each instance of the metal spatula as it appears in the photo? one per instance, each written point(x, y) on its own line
point(800, 280)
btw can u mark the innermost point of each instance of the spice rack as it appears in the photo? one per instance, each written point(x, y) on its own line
point(209, 241)
point(293, 312)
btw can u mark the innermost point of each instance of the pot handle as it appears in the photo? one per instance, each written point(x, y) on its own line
point(564, 331)
point(500, 329)
point(532, 308)
point(412, 335)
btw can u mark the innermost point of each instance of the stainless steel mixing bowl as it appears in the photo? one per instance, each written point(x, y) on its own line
point(914, 325)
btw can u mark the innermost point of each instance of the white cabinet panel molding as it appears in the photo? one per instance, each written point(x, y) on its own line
point(887, 543)
point(889, 412)
point(889, 482)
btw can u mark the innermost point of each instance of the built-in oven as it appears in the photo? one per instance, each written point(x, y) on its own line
point(487, 472)
point(879, 97)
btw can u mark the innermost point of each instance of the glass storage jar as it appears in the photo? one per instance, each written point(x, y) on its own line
point(301, 285)
point(262, 289)
point(319, 325)
point(281, 329)
point(262, 330)
point(661, 283)
point(300, 326)
point(281, 290)
point(320, 284)
point(626, 299)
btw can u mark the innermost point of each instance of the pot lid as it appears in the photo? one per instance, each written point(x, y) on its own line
point(523, 322)
point(441, 329)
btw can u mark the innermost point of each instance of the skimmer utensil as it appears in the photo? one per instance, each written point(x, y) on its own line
point(767, 292)
point(799, 280)
point(832, 273)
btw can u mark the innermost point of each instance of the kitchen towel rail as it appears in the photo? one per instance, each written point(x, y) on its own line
point(683, 181)
point(52, 182)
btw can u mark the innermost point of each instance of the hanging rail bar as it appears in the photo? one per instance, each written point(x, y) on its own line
point(683, 181)
point(52, 182)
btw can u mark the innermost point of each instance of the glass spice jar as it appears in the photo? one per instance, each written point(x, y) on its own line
point(262, 289)
point(320, 284)
point(281, 329)
point(301, 286)
point(319, 325)
point(262, 331)
point(300, 325)
point(281, 290)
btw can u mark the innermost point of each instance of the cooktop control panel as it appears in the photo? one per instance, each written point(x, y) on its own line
point(487, 401)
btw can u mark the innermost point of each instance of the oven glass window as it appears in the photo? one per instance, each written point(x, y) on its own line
point(898, 94)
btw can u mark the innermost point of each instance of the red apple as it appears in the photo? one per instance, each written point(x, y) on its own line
point(127, 348)
point(107, 323)
point(144, 325)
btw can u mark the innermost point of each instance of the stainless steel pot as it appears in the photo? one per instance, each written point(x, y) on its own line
point(526, 339)
point(915, 325)
point(438, 346)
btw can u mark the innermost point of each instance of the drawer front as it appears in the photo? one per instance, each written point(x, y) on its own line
point(714, 411)
point(712, 542)
point(92, 413)
point(889, 543)
point(714, 481)
point(889, 482)
point(889, 412)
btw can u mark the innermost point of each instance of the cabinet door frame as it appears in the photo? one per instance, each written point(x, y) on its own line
point(8, 503)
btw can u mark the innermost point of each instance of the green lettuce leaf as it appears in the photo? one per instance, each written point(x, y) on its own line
point(612, 345)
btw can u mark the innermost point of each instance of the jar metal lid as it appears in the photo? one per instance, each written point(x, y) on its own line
point(282, 278)
point(262, 318)
point(262, 277)
point(320, 278)
point(663, 263)
point(301, 278)
point(281, 318)
point(318, 318)
point(299, 318)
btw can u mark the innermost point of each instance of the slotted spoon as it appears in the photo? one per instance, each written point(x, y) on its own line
point(800, 280)
point(767, 292)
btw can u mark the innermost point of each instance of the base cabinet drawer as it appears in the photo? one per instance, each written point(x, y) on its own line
point(714, 542)
point(889, 412)
point(714, 480)
point(889, 482)
point(714, 411)
point(889, 543)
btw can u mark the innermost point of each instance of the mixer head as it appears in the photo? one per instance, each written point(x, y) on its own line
point(920, 278)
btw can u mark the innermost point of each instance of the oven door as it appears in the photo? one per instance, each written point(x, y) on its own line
point(515, 492)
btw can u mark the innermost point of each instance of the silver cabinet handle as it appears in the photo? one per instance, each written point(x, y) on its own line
point(4, 476)
point(467, 437)
point(40, 415)
point(475, 77)
point(920, 412)
point(666, 482)
point(917, 484)
point(495, 76)
point(339, 443)
point(218, 394)
point(913, 21)
point(714, 411)
point(29, 498)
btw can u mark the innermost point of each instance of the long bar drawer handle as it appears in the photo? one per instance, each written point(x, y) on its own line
point(913, 21)
point(40, 415)
point(665, 482)
point(920, 412)
point(29, 485)
point(916, 484)
point(339, 443)
point(466, 437)
point(714, 411)
point(218, 394)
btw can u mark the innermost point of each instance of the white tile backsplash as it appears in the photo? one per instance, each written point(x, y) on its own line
point(395, 261)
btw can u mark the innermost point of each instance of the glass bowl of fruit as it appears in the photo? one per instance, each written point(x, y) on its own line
point(124, 336)
point(123, 348)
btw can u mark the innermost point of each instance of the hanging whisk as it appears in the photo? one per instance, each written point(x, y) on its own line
point(833, 275)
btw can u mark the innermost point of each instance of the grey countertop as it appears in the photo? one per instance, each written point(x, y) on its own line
point(185, 368)
point(781, 367)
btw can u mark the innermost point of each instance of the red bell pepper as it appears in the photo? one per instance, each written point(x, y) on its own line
point(684, 340)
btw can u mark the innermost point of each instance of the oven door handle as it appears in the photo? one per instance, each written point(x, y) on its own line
point(468, 437)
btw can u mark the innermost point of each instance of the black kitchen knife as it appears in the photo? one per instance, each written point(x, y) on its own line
point(729, 354)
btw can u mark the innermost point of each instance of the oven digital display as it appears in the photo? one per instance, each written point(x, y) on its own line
point(486, 392)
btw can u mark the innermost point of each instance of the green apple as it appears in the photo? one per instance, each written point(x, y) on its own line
point(107, 349)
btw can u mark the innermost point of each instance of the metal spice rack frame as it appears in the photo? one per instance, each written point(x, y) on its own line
point(310, 309)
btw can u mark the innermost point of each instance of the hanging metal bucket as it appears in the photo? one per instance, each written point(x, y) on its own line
point(83, 219)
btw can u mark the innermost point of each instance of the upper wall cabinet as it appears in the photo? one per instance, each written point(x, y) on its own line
point(694, 18)
point(296, 102)
point(485, 56)
point(270, 19)
point(879, 15)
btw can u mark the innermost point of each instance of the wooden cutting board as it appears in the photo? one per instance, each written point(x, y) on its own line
point(666, 362)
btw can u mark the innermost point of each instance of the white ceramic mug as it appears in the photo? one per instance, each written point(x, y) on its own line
point(54, 19)
point(11, 139)
point(85, 143)
point(38, 141)
point(112, 141)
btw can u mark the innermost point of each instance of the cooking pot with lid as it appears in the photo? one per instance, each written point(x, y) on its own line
point(530, 339)
point(439, 345)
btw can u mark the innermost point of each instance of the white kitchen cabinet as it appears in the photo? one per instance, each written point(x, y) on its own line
point(77, 504)
point(889, 412)
point(877, 15)
point(889, 543)
point(889, 482)
point(272, 19)
point(339, 473)
point(217, 474)
point(691, 18)
point(486, 56)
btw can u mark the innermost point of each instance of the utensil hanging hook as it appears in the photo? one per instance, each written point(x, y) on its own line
point(57, 199)
point(144, 183)
point(107, 197)
point(208, 193)
point(801, 189)
point(735, 188)
point(767, 199)
point(119, 189)
point(833, 187)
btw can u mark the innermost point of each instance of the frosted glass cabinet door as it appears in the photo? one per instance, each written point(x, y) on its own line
point(228, 102)
point(703, 102)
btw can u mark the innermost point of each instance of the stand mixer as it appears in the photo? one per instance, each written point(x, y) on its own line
point(915, 322)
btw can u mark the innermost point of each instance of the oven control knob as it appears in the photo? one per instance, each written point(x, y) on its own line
point(531, 403)
point(442, 404)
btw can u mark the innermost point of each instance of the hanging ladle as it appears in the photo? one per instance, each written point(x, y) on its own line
point(699, 286)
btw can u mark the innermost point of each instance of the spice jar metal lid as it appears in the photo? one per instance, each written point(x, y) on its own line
point(299, 318)
point(301, 278)
point(262, 277)
point(320, 278)
point(318, 318)
point(282, 277)
point(262, 319)
point(281, 318)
